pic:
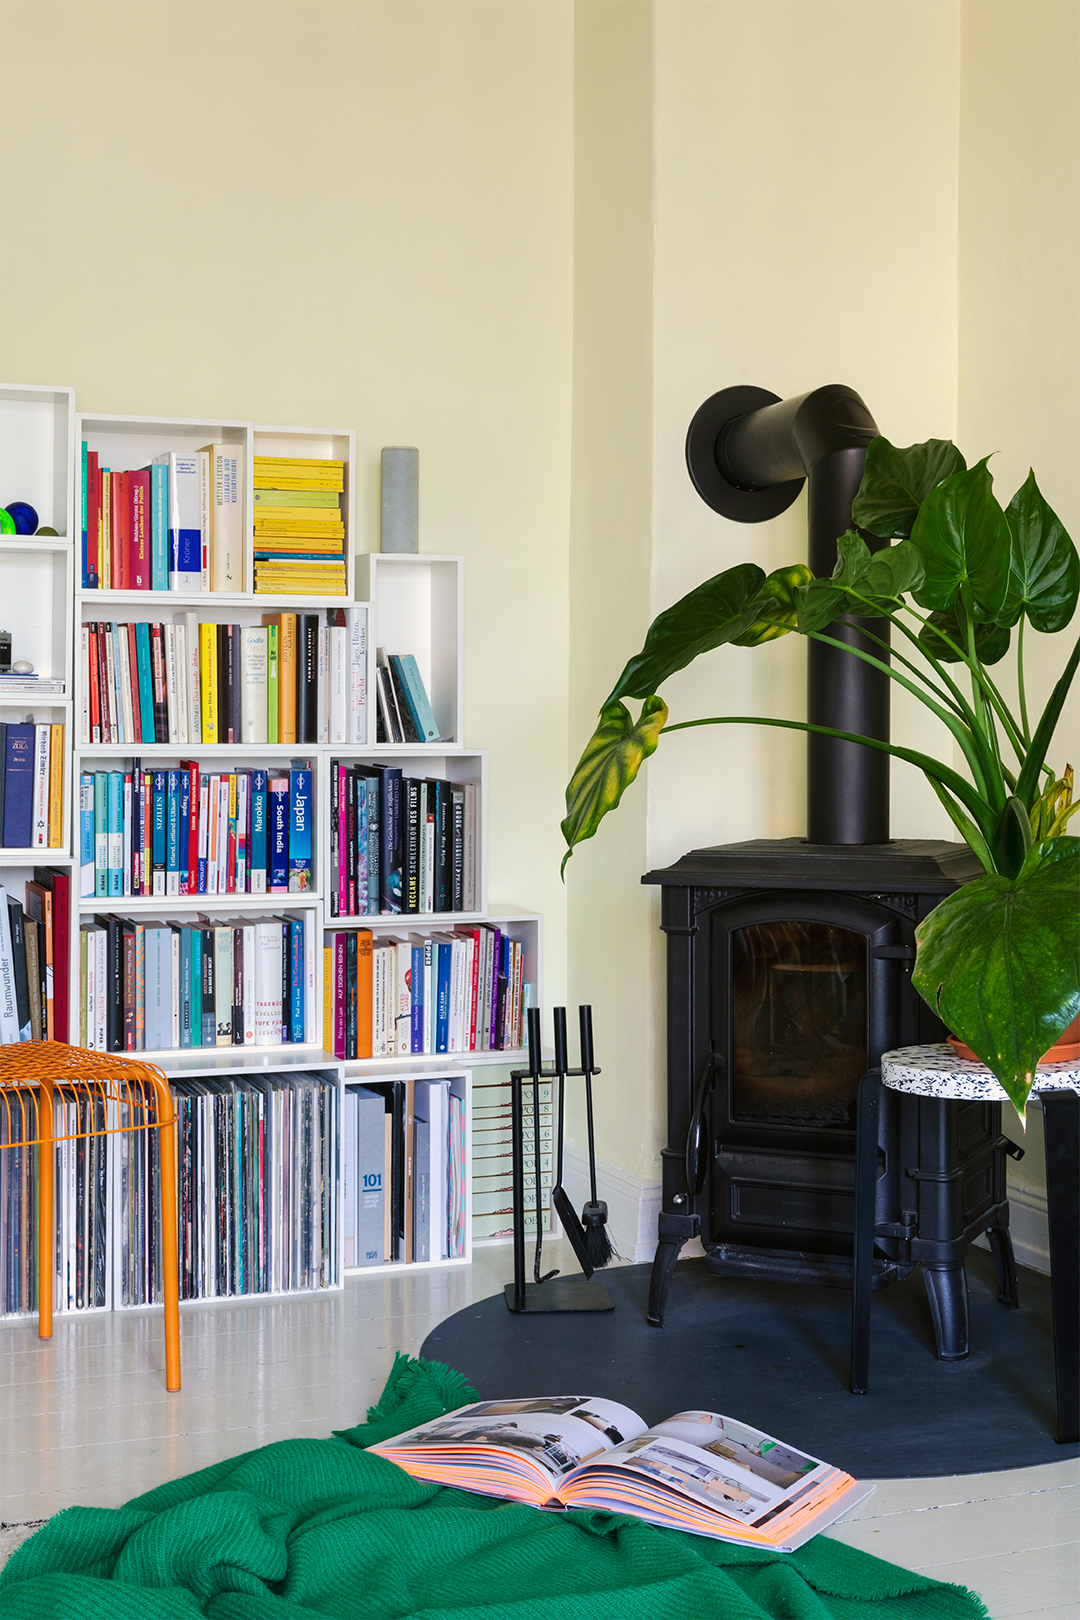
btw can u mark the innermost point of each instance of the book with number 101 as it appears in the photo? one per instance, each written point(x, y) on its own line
point(696, 1471)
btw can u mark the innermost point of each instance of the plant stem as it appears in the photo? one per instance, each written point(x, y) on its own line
point(1020, 680)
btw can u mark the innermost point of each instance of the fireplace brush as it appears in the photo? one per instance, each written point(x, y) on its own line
point(598, 1245)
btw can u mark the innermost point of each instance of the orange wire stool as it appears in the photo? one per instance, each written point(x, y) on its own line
point(33, 1070)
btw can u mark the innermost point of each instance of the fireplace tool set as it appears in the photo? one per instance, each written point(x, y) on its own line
point(549, 1292)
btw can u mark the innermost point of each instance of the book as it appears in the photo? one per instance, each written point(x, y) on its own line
point(411, 688)
point(253, 683)
point(300, 813)
point(226, 516)
point(696, 1471)
point(19, 743)
point(140, 530)
point(42, 748)
point(185, 538)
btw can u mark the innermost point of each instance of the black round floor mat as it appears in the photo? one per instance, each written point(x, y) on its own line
point(776, 1355)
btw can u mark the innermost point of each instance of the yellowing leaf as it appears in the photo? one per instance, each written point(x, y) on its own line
point(613, 756)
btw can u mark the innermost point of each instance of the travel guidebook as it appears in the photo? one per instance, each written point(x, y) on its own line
point(696, 1471)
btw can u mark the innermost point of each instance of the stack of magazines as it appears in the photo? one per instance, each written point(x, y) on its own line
point(696, 1471)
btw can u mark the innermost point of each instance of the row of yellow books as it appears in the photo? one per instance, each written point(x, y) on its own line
point(300, 534)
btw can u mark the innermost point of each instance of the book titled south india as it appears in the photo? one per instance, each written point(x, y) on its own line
point(697, 1471)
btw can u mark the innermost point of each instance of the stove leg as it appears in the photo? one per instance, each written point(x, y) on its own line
point(867, 1112)
point(946, 1289)
point(1061, 1124)
point(675, 1230)
point(1004, 1266)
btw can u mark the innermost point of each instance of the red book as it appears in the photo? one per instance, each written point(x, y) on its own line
point(136, 711)
point(120, 521)
point(92, 683)
point(139, 486)
point(51, 878)
point(474, 935)
point(93, 520)
point(103, 683)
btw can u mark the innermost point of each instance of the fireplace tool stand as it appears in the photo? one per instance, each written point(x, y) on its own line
point(547, 1293)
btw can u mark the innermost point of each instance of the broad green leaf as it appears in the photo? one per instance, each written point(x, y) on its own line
point(1012, 838)
point(893, 572)
point(864, 583)
point(991, 640)
point(777, 606)
point(1044, 572)
point(713, 614)
point(820, 604)
point(997, 961)
point(896, 482)
point(612, 758)
point(963, 537)
point(852, 559)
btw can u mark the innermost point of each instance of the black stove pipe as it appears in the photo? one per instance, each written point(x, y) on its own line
point(749, 453)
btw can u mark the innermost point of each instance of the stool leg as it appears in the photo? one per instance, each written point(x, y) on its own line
point(868, 1110)
point(1061, 1126)
point(46, 1213)
point(169, 1269)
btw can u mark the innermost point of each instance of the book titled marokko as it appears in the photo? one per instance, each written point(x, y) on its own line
point(696, 1471)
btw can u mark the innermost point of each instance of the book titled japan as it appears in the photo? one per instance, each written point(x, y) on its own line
point(299, 831)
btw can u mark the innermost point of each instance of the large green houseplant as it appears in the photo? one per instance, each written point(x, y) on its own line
point(997, 959)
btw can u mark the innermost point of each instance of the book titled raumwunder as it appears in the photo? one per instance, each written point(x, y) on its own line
point(696, 1471)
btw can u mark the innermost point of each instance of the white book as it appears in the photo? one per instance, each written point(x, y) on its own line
point(101, 954)
point(249, 984)
point(226, 501)
point(339, 688)
point(84, 685)
point(204, 520)
point(169, 649)
point(213, 803)
point(356, 629)
point(348, 1176)
point(403, 1012)
point(126, 832)
point(322, 706)
point(378, 1015)
point(183, 735)
point(185, 520)
point(39, 837)
point(194, 702)
point(108, 697)
point(254, 655)
point(122, 659)
point(174, 988)
point(268, 970)
point(9, 1011)
point(89, 1019)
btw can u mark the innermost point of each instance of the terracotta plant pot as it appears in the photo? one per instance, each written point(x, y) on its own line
point(1066, 1049)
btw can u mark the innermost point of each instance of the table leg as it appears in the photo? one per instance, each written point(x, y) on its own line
point(1061, 1125)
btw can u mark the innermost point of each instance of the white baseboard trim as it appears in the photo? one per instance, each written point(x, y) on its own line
point(1028, 1225)
point(633, 1202)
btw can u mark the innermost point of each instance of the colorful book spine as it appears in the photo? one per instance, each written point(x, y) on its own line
point(115, 846)
point(158, 832)
point(159, 527)
point(184, 831)
point(297, 979)
point(146, 683)
point(300, 810)
point(258, 832)
point(208, 681)
point(86, 837)
point(141, 530)
point(279, 835)
point(172, 832)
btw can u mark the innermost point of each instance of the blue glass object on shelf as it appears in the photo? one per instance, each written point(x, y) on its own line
point(7, 522)
point(23, 516)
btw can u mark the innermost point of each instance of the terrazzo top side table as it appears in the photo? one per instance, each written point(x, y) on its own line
point(936, 1071)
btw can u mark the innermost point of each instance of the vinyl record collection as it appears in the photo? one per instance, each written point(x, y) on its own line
point(403, 1171)
point(258, 1171)
point(461, 991)
point(18, 1203)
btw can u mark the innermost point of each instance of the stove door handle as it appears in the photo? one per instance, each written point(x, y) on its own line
point(695, 1148)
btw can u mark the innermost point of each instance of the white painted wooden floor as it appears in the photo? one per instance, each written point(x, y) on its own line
point(86, 1419)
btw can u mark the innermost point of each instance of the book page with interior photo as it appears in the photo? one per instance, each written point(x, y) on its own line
point(697, 1466)
point(520, 1448)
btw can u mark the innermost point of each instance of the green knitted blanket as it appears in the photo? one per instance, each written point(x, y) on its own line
point(320, 1527)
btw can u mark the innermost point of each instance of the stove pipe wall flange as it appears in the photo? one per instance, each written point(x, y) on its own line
point(748, 454)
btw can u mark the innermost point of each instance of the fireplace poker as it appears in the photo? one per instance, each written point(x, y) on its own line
point(598, 1245)
point(559, 1197)
point(535, 1070)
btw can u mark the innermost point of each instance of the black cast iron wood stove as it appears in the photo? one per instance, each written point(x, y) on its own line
point(789, 960)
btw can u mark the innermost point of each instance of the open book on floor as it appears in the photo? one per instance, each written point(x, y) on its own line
point(696, 1471)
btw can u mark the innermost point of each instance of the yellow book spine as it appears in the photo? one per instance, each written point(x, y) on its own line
point(287, 680)
point(336, 484)
point(56, 786)
point(327, 998)
point(208, 682)
point(105, 533)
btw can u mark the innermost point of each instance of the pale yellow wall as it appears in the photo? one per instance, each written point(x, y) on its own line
point(352, 214)
point(1020, 321)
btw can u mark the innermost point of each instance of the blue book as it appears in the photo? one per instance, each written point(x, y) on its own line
point(416, 998)
point(159, 528)
point(101, 834)
point(146, 683)
point(296, 979)
point(257, 841)
point(87, 887)
point(185, 829)
point(390, 839)
point(172, 831)
point(442, 1006)
point(185, 986)
point(196, 986)
point(18, 786)
point(412, 690)
point(300, 831)
point(116, 834)
point(158, 832)
point(185, 519)
point(279, 835)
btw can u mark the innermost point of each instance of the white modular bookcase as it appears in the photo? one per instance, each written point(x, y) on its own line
point(414, 604)
point(37, 464)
